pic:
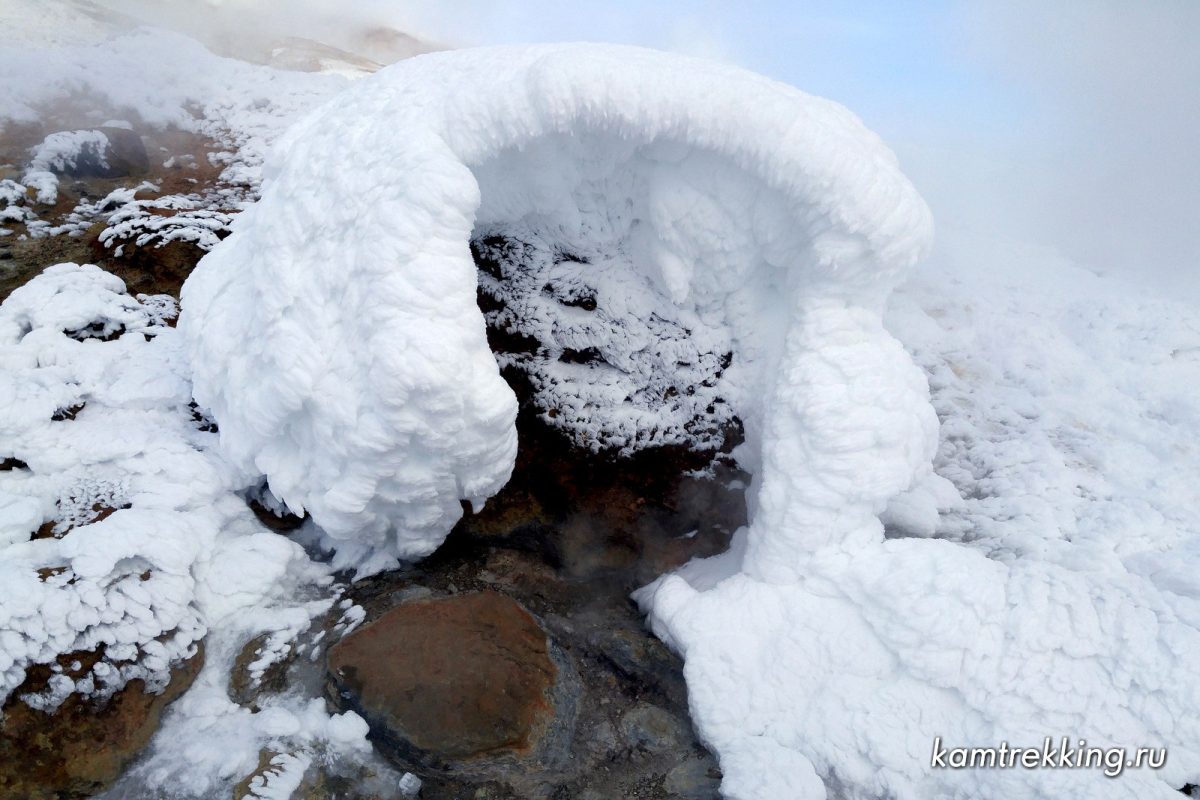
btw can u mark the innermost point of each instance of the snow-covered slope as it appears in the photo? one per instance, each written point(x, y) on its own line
point(154, 547)
point(78, 65)
point(123, 532)
point(349, 363)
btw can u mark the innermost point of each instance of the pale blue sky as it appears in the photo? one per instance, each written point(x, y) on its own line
point(896, 64)
point(1072, 123)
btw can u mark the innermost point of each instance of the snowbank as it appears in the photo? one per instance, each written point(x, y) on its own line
point(336, 336)
point(1057, 599)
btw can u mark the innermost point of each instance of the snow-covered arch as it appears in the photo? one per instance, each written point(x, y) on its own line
point(336, 338)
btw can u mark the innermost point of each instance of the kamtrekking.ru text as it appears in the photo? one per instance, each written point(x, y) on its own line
point(1051, 755)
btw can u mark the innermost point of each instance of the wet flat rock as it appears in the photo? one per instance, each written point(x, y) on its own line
point(469, 683)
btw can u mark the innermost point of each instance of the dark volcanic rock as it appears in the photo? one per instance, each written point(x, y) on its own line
point(692, 780)
point(652, 728)
point(81, 747)
point(610, 519)
point(124, 156)
point(470, 684)
point(279, 522)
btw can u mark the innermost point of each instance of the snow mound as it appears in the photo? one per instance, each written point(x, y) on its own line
point(736, 236)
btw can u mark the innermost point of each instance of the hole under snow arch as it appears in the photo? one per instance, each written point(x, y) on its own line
point(686, 242)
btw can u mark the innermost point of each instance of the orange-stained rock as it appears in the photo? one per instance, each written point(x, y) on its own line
point(463, 682)
point(81, 747)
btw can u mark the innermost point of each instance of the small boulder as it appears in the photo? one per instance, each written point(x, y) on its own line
point(469, 683)
point(693, 780)
point(124, 156)
point(652, 728)
point(254, 675)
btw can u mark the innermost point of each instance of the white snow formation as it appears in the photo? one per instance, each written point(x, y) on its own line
point(630, 210)
point(711, 212)
point(666, 246)
point(1055, 596)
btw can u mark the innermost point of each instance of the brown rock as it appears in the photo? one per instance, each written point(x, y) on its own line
point(241, 790)
point(153, 269)
point(81, 747)
point(324, 779)
point(55, 529)
point(469, 682)
point(245, 687)
point(516, 511)
point(280, 523)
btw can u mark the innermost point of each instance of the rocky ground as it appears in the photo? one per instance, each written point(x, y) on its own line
point(510, 664)
point(602, 708)
point(82, 747)
point(137, 160)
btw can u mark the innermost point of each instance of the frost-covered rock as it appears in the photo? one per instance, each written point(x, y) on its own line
point(61, 152)
point(113, 583)
point(150, 546)
point(83, 745)
point(735, 231)
point(104, 152)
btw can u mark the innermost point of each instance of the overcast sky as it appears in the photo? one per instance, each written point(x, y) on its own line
point(1071, 123)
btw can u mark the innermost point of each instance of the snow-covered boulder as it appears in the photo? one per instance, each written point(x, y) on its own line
point(726, 228)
